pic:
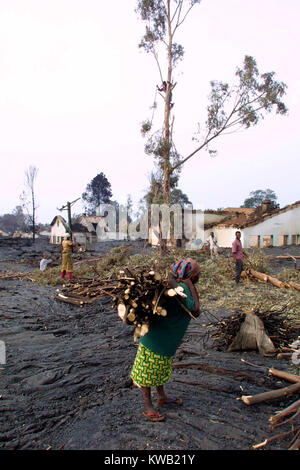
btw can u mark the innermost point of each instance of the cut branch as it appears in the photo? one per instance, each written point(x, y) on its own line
point(273, 395)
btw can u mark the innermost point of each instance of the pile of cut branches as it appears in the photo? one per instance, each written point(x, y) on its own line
point(138, 295)
point(277, 325)
point(15, 276)
point(86, 291)
point(292, 412)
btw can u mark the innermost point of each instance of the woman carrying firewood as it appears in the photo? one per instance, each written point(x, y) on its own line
point(153, 362)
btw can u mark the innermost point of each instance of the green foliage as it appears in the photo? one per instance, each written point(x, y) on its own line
point(256, 198)
point(155, 14)
point(97, 191)
point(257, 260)
point(289, 274)
point(155, 193)
point(146, 127)
point(162, 19)
point(245, 103)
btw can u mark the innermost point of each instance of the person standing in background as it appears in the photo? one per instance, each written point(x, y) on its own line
point(238, 255)
point(213, 245)
point(67, 263)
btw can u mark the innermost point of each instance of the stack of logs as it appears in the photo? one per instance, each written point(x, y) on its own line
point(142, 297)
point(139, 296)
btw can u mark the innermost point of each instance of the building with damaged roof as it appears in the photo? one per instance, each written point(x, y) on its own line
point(260, 227)
point(263, 227)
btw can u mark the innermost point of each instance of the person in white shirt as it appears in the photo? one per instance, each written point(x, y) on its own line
point(213, 245)
point(44, 263)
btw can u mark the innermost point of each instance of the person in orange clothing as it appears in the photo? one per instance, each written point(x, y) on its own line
point(67, 263)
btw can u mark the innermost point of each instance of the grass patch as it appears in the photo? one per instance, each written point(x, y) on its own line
point(216, 287)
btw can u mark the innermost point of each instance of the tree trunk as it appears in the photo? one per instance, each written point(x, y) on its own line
point(33, 217)
point(167, 136)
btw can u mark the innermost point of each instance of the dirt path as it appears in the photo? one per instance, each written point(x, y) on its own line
point(66, 383)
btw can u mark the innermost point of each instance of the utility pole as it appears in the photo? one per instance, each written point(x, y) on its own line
point(67, 207)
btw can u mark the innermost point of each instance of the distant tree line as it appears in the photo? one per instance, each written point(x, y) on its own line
point(255, 198)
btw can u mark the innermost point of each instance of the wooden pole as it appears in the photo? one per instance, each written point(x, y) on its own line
point(69, 219)
point(268, 396)
point(284, 375)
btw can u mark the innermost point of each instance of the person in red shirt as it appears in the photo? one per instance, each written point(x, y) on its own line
point(238, 255)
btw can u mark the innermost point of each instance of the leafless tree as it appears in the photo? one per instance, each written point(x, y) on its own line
point(30, 175)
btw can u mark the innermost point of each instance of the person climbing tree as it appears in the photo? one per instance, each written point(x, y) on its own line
point(163, 88)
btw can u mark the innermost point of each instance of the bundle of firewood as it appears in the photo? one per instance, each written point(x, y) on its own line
point(277, 325)
point(142, 296)
point(138, 295)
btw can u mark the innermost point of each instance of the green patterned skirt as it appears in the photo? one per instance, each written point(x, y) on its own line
point(67, 264)
point(150, 369)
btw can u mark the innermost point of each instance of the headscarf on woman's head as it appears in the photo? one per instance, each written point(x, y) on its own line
point(185, 268)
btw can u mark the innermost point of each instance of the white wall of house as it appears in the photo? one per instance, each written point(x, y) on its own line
point(284, 228)
point(194, 228)
point(281, 229)
point(225, 235)
point(58, 231)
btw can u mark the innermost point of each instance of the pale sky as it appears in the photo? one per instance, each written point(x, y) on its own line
point(74, 89)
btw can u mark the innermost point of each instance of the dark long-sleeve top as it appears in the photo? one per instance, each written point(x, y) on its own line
point(165, 333)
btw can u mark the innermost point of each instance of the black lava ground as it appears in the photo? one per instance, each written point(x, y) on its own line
point(66, 383)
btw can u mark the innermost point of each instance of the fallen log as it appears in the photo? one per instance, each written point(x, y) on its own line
point(284, 375)
point(273, 395)
point(258, 275)
point(266, 278)
point(294, 259)
point(284, 355)
point(294, 285)
point(68, 300)
point(287, 257)
point(276, 282)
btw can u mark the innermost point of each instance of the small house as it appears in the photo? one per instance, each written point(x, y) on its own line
point(82, 234)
